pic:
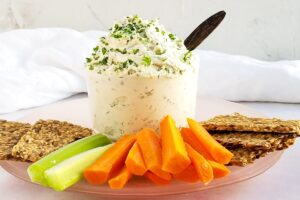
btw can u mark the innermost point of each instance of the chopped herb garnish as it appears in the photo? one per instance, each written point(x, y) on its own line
point(124, 51)
point(187, 56)
point(103, 41)
point(147, 60)
point(167, 69)
point(124, 65)
point(134, 39)
point(172, 36)
point(135, 51)
point(135, 26)
point(96, 48)
point(117, 27)
point(88, 60)
point(104, 50)
point(131, 62)
point(103, 61)
point(117, 35)
point(160, 51)
point(163, 59)
point(179, 43)
point(91, 67)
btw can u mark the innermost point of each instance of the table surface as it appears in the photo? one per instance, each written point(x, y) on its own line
point(279, 182)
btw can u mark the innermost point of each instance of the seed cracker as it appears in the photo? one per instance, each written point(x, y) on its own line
point(10, 134)
point(46, 136)
point(238, 122)
point(250, 140)
point(243, 157)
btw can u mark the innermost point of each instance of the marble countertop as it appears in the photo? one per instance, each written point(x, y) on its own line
point(279, 182)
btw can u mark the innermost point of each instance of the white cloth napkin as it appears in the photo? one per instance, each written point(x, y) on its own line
point(241, 78)
point(40, 66)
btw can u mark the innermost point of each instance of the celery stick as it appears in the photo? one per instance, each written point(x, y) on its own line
point(70, 171)
point(37, 169)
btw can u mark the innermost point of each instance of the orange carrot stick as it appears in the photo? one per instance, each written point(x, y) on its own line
point(112, 160)
point(188, 175)
point(156, 179)
point(135, 161)
point(202, 166)
point(190, 138)
point(120, 180)
point(215, 149)
point(174, 155)
point(219, 169)
point(149, 144)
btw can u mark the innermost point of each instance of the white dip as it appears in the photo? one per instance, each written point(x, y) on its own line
point(138, 74)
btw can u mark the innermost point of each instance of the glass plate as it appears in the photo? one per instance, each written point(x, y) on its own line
point(77, 111)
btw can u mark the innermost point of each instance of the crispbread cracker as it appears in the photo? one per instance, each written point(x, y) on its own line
point(238, 122)
point(45, 137)
point(249, 140)
point(243, 157)
point(10, 134)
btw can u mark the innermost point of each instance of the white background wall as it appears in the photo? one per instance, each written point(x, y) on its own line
point(265, 29)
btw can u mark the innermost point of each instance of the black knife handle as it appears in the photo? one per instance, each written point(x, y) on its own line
point(203, 30)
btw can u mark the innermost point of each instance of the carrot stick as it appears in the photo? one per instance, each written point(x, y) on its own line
point(202, 166)
point(174, 155)
point(135, 161)
point(219, 169)
point(112, 160)
point(215, 149)
point(156, 179)
point(149, 144)
point(188, 175)
point(120, 180)
point(190, 138)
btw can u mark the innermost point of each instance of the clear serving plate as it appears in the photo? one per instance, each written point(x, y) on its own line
point(77, 111)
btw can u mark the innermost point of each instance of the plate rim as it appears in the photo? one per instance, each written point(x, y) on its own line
point(275, 158)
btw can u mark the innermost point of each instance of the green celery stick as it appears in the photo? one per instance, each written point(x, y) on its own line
point(37, 169)
point(70, 171)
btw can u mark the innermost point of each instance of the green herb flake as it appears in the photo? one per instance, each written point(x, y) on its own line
point(104, 50)
point(88, 60)
point(147, 60)
point(124, 51)
point(91, 67)
point(103, 41)
point(157, 29)
point(179, 43)
point(103, 61)
point(117, 35)
point(131, 62)
point(122, 66)
point(163, 59)
point(187, 56)
point(160, 51)
point(135, 51)
point(96, 49)
point(167, 69)
point(172, 36)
